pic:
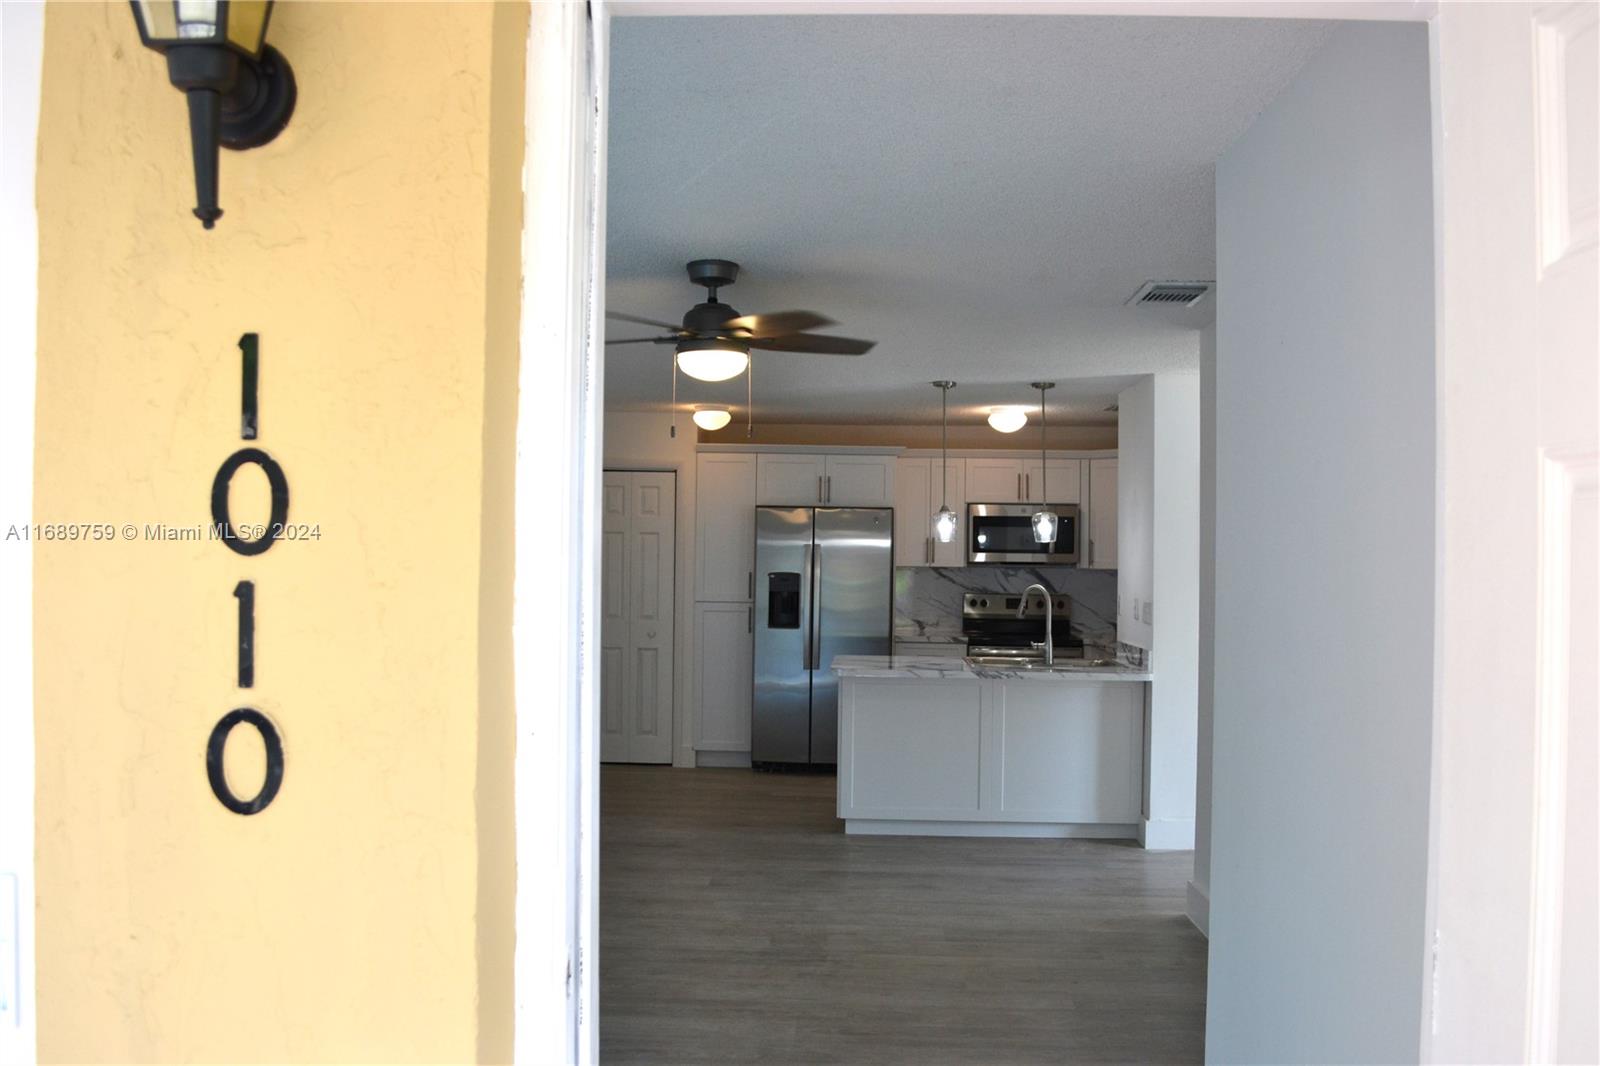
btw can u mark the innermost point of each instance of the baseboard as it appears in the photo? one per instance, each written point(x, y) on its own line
point(909, 828)
point(1200, 909)
point(1167, 834)
point(723, 760)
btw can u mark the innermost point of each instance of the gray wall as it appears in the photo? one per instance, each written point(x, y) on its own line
point(1325, 562)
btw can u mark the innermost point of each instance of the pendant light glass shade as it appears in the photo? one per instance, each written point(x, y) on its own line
point(1045, 522)
point(713, 364)
point(945, 522)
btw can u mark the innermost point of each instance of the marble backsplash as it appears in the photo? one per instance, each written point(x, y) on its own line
point(927, 599)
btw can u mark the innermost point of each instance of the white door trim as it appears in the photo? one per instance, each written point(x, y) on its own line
point(555, 626)
point(22, 47)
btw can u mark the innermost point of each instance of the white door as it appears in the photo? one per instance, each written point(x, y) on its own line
point(995, 481)
point(1102, 521)
point(724, 675)
point(636, 597)
point(1514, 883)
point(858, 481)
point(725, 527)
point(789, 480)
point(1064, 481)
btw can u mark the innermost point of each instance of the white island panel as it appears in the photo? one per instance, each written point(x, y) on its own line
point(1070, 752)
point(912, 750)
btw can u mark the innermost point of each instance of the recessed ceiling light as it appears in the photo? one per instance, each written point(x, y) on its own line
point(712, 418)
point(1008, 419)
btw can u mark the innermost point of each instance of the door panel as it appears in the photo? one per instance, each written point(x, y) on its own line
point(1064, 481)
point(638, 545)
point(786, 480)
point(994, 480)
point(913, 513)
point(858, 481)
point(854, 577)
point(725, 529)
point(1102, 547)
point(724, 653)
point(781, 708)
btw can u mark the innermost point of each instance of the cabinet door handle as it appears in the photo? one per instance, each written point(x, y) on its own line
point(751, 574)
point(819, 488)
point(750, 619)
point(1019, 484)
point(828, 494)
point(1028, 480)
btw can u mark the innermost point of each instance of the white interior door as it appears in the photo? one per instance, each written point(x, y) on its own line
point(636, 594)
point(1514, 882)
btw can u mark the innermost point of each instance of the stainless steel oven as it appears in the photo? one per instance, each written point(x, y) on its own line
point(1003, 533)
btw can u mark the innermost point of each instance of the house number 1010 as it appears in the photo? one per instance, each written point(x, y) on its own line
point(245, 593)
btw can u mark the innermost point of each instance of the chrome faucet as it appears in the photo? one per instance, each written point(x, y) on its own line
point(1049, 644)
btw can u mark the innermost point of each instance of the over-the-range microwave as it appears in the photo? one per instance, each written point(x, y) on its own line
point(1003, 533)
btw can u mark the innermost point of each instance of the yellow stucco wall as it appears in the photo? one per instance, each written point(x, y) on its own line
point(366, 914)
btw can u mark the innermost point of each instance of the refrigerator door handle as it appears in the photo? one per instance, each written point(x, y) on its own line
point(810, 607)
point(815, 634)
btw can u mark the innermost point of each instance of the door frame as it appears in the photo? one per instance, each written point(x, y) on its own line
point(22, 38)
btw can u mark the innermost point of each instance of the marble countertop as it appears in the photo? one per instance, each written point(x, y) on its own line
point(939, 668)
point(920, 635)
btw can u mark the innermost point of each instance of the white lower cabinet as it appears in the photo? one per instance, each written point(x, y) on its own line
point(724, 650)
point(960, 756)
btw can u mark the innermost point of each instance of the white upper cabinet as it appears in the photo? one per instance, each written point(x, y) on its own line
point(858, 481)
point(918, 492)
point(725, 527)
point(786, 479)
point(995, 480)
point(789, 480)
point(1063, 481)
point(1101, 551)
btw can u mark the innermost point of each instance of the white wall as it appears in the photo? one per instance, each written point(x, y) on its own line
point(636, 440)
point(1200, 884)
point(1136, 486)
point(22, 40)
point(1175, 615)
point(1325, 563)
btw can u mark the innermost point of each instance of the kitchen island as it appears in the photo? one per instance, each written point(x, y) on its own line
point(933, 746)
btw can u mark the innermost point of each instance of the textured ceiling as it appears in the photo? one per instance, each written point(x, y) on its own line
point(979, 195)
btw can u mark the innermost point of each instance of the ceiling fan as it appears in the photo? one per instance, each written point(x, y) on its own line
point(714, 341)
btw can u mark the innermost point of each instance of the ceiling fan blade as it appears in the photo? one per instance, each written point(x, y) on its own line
point(622, 317)
point(777, 323)
point(814, 344)
point(644, 340)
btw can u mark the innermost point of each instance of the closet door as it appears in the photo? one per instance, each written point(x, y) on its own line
point(637, 597)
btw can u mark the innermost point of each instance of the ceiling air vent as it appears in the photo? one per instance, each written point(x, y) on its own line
point(1169, 293)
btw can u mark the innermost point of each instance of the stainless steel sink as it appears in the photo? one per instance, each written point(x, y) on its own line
point(1017, 662)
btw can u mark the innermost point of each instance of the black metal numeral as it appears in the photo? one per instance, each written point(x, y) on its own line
point(219, 500)
point(217, 746)
point(249, 349)
point(245, 593)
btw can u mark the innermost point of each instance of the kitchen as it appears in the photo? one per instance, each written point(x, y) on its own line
point(818, 537)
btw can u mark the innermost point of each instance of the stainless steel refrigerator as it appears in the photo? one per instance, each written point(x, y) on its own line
point(824, 587)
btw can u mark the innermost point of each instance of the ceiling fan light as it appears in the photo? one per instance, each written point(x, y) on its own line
point(1008, 419)
point(945, 525)
point(713, 364)
point(1044, 527)
point(712, 419)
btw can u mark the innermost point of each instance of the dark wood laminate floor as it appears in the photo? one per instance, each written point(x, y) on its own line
point(739, 924)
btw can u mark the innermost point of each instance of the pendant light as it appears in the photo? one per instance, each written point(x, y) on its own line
point(711, 419)
point(945, 522)
point(1045, 522)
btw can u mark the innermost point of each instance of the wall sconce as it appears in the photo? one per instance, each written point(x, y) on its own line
point(241, 91)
